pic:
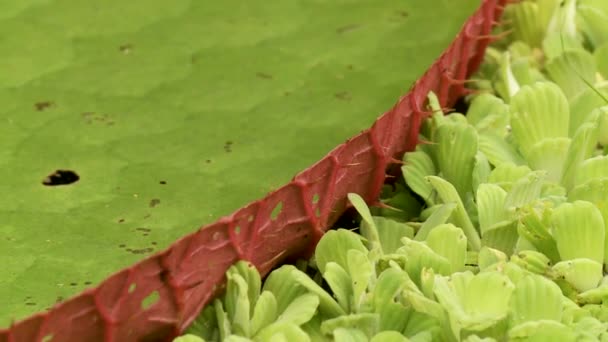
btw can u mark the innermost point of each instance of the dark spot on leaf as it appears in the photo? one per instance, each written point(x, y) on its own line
point(343, 95)
point(122, 245)
point(350, 67)
point(61, 177)
point(145, 234)
point(125, 48)
point(88, 282)
point(404, 14)
point(264, 75)
point(163, 182)
point(121, 220)
point(90, 117)
point(347, 28)
point(42, 105)
point(142, 250)
point(143, 229)
point(208, 161)
point(154, 202)
point(153, 243)
point(73, 284)
point(128, 249)
point(228, 146)
point(30, 303)
point(59, 299)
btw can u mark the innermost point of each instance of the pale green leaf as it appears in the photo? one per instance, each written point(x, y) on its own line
point(334, 245)
point(300, 310)
point(450, 242)
point(579, 231)
point(582, 274)
point(369, 323)
point(538, 112)
point(419, 165)
point(448, 194)
point(264, 312)
point(340, 283)
point(439, 216)
point(535, 298)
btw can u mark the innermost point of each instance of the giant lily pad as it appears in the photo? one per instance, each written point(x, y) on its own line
point(127, 124)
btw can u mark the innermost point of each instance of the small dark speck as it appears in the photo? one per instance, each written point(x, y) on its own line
point(143, 229)
point(208, 161)
point(30, 303)
point(145, 234)
point(347, 28)
point(122, 245)
point(153, 243)
point(147, 215)
point(125, 48)
point(121, 220)
point(162, 182)
point(154, 202)
point(73, 284)
point(40, 106)
point(403, 14)
point(228, 146)
point(343, 95)
point(264, 75)
point(88, 282)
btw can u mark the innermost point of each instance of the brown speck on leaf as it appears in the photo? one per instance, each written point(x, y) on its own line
point(264, 75)
point(343, 95)
point(163, 182)
point(122, 245)
point(125, 48)
point(30, 304)
point(121, 220)
point(347, 28)
point(154, 202)
point(153, 243)
point(403, 13)
point(208, 161)
point(142, 229)
point(42, 105)
point(88, 282)
point(228, 146)
point(73, 284)
point(142, 250)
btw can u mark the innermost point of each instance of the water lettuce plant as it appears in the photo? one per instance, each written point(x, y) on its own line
point(497, 230)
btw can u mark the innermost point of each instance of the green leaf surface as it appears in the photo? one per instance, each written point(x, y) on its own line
point(174, 113)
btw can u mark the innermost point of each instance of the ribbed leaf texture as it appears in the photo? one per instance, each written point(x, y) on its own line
point(190, 273)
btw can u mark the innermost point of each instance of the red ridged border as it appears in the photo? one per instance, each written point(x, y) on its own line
point(190, 272)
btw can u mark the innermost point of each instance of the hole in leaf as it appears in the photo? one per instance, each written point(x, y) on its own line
point(276, 211)
point(150, 300)
point(132, 287)
point(61, 177)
